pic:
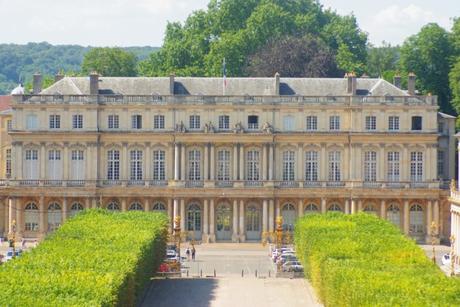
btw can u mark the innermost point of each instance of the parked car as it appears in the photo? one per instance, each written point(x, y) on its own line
point(9, 255)
point(445, 260)
point(286, 257)
point(292, 266)
point(171, 255)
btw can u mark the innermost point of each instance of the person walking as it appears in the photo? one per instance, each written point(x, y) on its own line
point(187, 252)
point(193, 252)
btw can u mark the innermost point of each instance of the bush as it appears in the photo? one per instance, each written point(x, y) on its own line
point(97, 258)
point(361, 260)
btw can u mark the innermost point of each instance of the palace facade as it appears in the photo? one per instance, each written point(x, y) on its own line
point(226, 157)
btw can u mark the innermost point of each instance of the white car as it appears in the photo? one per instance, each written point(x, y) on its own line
point(292, 266)
point(171, 255)
point(445, 260)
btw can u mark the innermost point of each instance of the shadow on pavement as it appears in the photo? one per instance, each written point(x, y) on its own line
point(180, 292)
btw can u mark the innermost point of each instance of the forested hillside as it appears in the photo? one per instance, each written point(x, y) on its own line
point(19, 62)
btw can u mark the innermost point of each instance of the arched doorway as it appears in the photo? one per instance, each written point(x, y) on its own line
point(394, 215)
point(253, 222)
point(416, 222)
point(194, 221)
point(288, 214)
point(54, 216)
point(311, 209)
point(223, 222)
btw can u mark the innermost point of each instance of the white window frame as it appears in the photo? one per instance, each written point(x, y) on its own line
point(158, 122)
point(312, 123)
point(77, 121)
point(31, 165)
point(370, 166)
point(255, 125)
point(194, 164)
point(288, 123)
point(311, 165)
point(393, 166)
point(159, 165)
point(31, 122)
point(416, 166)
point(8, 163)
point(253, 165)
point(393, 123)
point(334, 122)
point(113, 121)
point(194, 122)
point(371, 123)
point(223, 165)
point(54, 164)
point(136, 121)
point(77, 160)
point(224, 122)
point(135, 162)
point(55, 121)
point(334, 171)
point(113, 164)
point(289, 165)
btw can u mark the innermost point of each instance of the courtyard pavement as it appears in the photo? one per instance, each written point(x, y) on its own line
point(229, 288)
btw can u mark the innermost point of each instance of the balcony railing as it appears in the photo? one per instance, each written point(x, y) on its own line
point(253, 183)
point(287, 184)
point(224, 183)
point(194, 184)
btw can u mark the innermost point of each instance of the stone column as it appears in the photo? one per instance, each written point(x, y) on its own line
point(42, 161)
point(299, 163)
point(436, 214)
point(264, 162)
point(353, 206)
point(235, 221)
point(323, 163)
point(347, 207)
point(235, 162)
point(43, 227)
point(88, 163)
point(11, 214)
point(148, 162)
point(146, 205)
point(270, 162)
point(264, 215)
point(64, 209)
point(182, 162)
point(382, 209)
point(176, 161)
point(271, 218)
point(19, 218)
point(381, 163)
point(212, 167)
point(323, 205)
point(206, 162)
point(182, 214)
point(65, 162)
point(170, 215)
point(124, 205)
point(241, 168)
point(429, 219)
point(205, 222)
point(212, 236)
point(300, 208)
point(406, 224)
point(360, 205)
point(242, 224)
point(405, 164)
point(278, 208)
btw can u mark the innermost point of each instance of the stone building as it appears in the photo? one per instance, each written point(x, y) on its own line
point(228, 158)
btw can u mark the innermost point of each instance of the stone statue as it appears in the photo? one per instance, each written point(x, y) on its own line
point(180, 127)
point(238, 128)
point(267, 128)
point(209, 128)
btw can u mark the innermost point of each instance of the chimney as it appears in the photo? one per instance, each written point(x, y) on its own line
point(37, 83)
point(94, 83)
point(411, 84)
point(277, 84)
point(58, 77)
point(351, 83)
point(171, 83)
point(397, 81)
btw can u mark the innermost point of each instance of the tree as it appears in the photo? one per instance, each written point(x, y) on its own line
point(454, 81)
point(428, 55)
point(237, 29)
point(110, 62)
point(381, 60)
point(294, 57)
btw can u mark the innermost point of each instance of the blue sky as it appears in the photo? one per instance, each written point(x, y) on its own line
point(142, 22)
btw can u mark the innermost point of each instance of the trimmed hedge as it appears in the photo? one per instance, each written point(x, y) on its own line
point(98, 258)
point(361, 260)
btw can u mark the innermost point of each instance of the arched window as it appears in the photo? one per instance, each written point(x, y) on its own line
point(194, 164)
point(288, 165)
point(194, 218)
point(289, 215)
point(54, 216)
point(394, 215)
point(136, 206)
point(310, 209)
point(135, 165)
point(252, 165)
point(113, 206)
point(416, 219)
point(370, 208)
point(252, 218)
point(31, 217)
point(334, 207)
point(75, 209)
point(159, 206)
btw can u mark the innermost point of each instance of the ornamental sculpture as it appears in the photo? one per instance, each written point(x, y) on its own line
point(267, 128)
point(180, 127)
point(238, 128)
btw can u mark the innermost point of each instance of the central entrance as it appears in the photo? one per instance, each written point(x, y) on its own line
point(223, 222)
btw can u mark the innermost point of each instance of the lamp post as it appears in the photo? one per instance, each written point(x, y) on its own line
point(177, 234)
point(279, 237)
point(452, 255)
point(433, 228)
point(12, 237)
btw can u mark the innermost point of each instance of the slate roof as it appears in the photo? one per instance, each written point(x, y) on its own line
point(214, 86)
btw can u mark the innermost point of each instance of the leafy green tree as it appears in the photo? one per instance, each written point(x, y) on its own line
point(455, 36)
point(110, 62)
point(237, 29)
point(381, 60)
point(454, 81)
point(428, 54)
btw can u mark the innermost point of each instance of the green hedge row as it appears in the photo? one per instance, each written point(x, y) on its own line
point(361, 260)
point(97, 258)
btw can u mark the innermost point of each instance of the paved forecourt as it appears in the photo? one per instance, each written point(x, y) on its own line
point(229, 288)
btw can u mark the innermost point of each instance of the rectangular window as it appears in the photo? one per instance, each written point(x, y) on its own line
point(8, 163)
point(416, 123)
point(224, 122)
point(31, 167)
point(223, 165)
point(440, 127)
point(113, 122)
point(159, 165)
point(371, 123)
point(288, 165)
point(312, 123)
point(311, 166)
point(136, 121)
point(194, 122)
point(113, 165)
point(31, 122)
point(416, 166)
point(55, 121)
point(334, 166)
point(370, 166)
point(158, 122)
point(253, 167)
point(253, 122)
point(393, 123)
point(77, 165)
point(288, 123)
point(393, 166)
point(77, 121)
point(54, 165)
point(194, 163)
point(334, 122)
point(135, 165)
point(440, 164)
point(9, 125)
